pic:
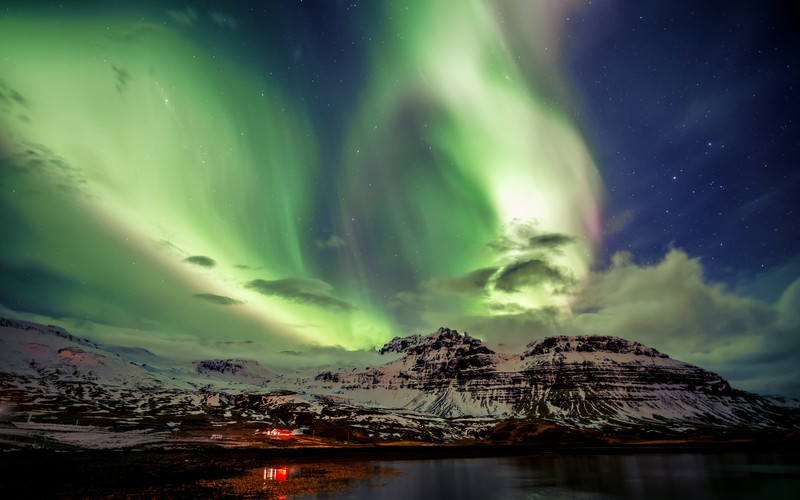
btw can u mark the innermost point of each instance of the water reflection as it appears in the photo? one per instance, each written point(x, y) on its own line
point(276, 474)
point(653, 476)
point(297, 480)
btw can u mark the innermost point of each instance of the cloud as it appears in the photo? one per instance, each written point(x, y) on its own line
point(618, 222)
point(308, 355)
point(187, 17)
point(121, 77)
point(473, 283)
point(518, 299)
point(217, 299)
point(669, 302)
point(10, 98)
point(224, 20)
point(201, 260)
point(670, 306)
point(515, 326)
point(550, 241)
point(304, 291)
point(789, 306)
point(531, 273)
point(528, 255)
point(334, 241)
point(40, 160)
point(526, 237)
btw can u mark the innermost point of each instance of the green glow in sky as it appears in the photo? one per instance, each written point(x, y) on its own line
point(153, 187)
point(456, 165)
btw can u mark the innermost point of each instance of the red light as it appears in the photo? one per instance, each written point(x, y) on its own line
point(276, 474)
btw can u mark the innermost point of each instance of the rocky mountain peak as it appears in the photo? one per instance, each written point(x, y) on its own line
point(220, 365)
point(444, 340)
point(447, 355)
point(590, 343)
point(400, 344)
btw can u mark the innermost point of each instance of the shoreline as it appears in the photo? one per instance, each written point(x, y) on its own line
point(422, 450)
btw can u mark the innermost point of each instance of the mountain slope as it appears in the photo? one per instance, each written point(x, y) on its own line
point(441, 387)
point(588, 381)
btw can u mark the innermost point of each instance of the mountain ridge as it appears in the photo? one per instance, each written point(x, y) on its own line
point(443, 387)
point(589, 381)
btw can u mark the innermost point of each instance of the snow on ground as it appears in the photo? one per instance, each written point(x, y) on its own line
point(81, 436)
point(587, 381)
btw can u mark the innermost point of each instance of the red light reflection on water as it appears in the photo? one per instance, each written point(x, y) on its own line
point(275, 473)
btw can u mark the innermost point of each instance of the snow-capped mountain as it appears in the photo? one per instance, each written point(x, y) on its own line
point(589, 381)
point(440, 387)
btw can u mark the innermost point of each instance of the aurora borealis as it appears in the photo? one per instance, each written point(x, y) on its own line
point(312, 177)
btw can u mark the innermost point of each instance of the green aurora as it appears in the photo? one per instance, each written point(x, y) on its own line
point(156, 187)
point(298, 182)
point(459, 168)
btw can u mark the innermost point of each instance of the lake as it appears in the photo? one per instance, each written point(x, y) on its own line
point(393, 473)
point(651, 476)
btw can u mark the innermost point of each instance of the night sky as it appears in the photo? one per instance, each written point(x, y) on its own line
point(295, 181)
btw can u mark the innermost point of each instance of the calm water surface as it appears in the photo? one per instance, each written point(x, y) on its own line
point(683, 476)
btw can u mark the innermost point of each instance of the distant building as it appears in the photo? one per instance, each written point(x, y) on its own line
point(277, 433)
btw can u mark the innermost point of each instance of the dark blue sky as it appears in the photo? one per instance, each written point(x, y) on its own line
point(691, 111)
